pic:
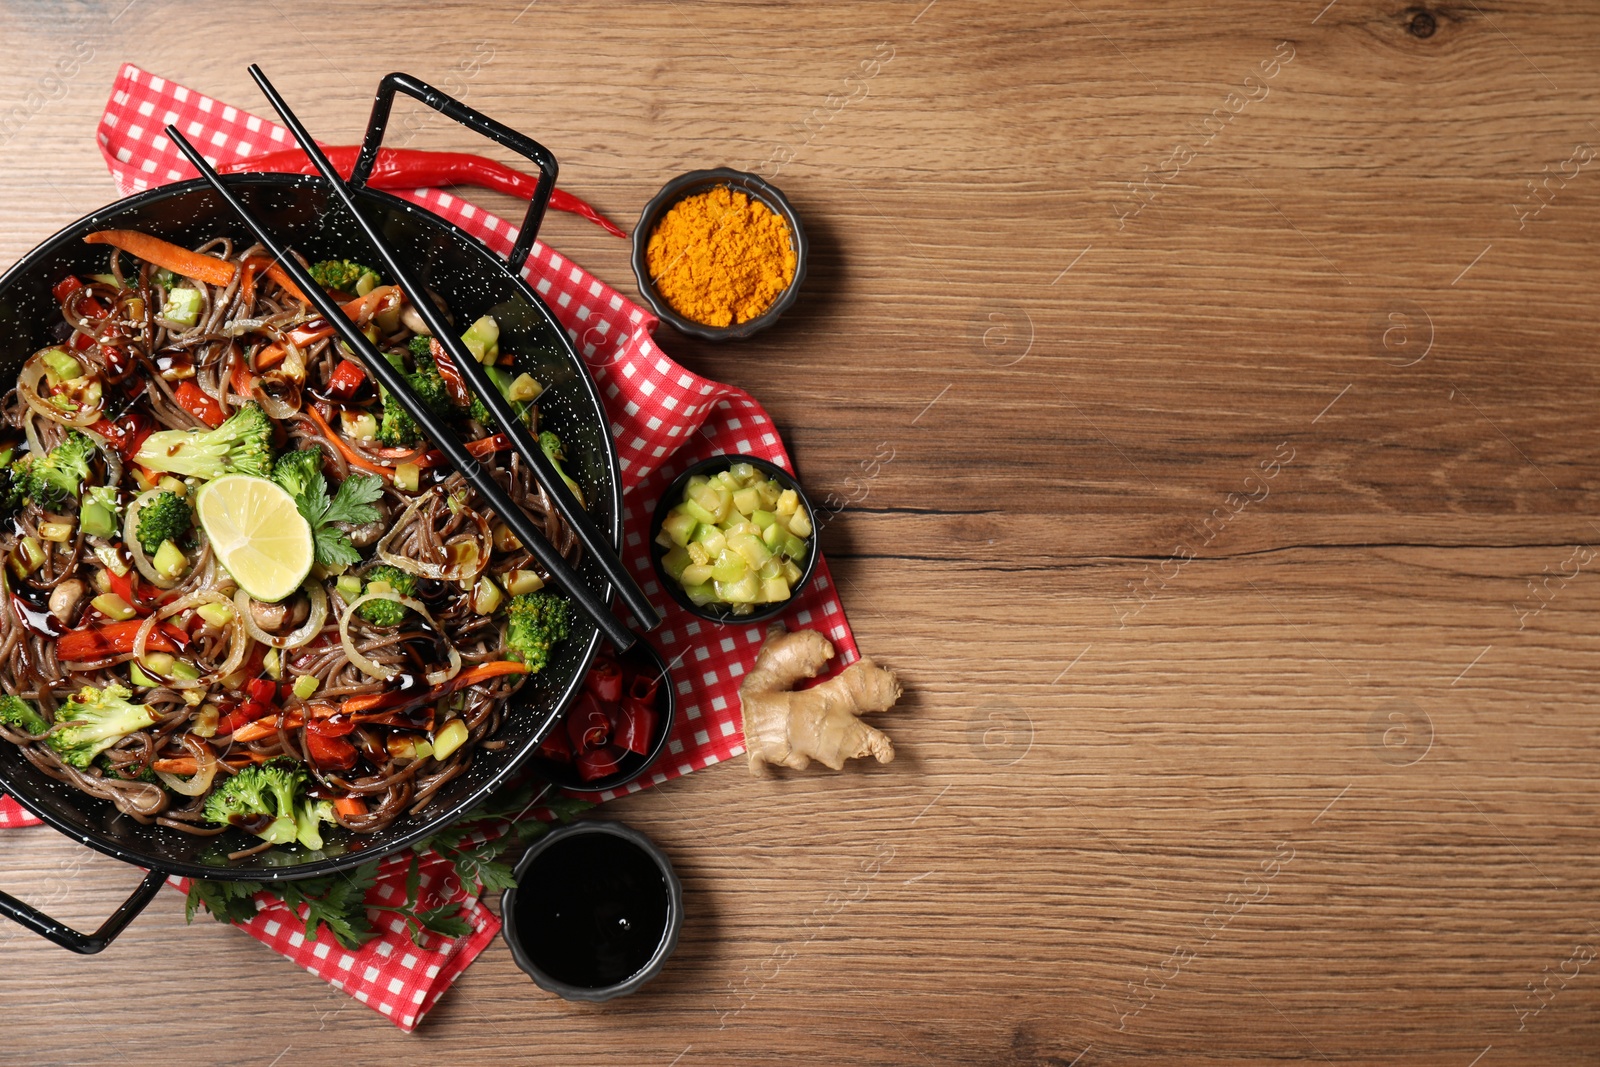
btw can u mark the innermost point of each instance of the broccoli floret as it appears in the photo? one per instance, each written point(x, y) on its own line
point(267, 790)
point(146, 774)
point(387, 612)
point(550, 445)
point(308, 820)
point(429, 386)
point(421, 345)
point(300, 472)
point(340, 274)
point(21, 716)
point(54, 480)
point(479, 412)
point(165, 517)
point(397, 428)
point(242, 445)
point(95, 720)
point(535, 621)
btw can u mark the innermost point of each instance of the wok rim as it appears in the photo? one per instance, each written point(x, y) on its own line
point(427, 825)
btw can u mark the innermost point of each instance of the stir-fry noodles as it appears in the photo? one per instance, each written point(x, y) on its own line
point(241, 589)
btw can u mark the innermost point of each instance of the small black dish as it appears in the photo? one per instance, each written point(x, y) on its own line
point(698, 181)
point(642, 658)
point(674, 494)
point(595, 911)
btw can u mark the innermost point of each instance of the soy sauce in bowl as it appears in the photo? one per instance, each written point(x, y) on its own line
point(595, 912)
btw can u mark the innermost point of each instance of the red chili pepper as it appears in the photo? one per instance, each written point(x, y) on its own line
point(263, 690)
point(196, 402)
point(605, 681)
point(556, 747)
point(411, 168)
point(116, 639)
point(636, 726)
point(643, 687)
point(127, 433)
point(588, 726)
point(329, 753)
point(599, 763)
point(346, 379)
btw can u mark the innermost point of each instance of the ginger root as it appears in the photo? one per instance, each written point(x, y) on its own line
point(791, 729)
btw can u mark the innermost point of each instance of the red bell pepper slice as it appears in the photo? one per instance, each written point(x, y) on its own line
point(196, 402)
point(588, 726)
point(605, 681)
point(636, 726)
point(115, 639)
point(598, 763)
point(329, 753)
point(262, 690)
point(66, 287)
point(346, 379)
point(127, 432)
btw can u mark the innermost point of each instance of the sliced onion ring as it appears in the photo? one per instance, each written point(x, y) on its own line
point(378, 670)
point(28, 385)
point(205, 760)
point(240, 641)
point(308, 629)
point(434, 570)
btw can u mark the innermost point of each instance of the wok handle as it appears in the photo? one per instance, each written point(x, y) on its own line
point(66, 936)
point(474, 120)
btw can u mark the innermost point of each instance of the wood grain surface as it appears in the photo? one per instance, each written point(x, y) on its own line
point(1236, 363)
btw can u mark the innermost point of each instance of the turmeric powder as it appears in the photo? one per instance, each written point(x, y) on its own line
point(720, 257)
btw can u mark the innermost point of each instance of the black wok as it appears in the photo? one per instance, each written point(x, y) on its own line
point(473, 282)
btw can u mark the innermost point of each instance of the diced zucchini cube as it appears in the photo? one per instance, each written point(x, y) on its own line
point(679, 525)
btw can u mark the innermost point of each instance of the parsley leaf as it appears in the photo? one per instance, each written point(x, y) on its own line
point(353, 502)
point(300, 473)
point(227, 902)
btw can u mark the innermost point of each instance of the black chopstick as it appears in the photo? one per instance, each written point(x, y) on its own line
point(511, 425)
point(564, 577)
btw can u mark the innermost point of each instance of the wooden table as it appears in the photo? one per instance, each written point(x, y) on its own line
point(1213, 397)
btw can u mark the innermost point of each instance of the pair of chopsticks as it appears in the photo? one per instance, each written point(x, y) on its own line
point(562, 575)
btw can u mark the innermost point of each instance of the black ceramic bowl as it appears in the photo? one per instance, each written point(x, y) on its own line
point(583, 917)
point(698, 181)
point(642, 657)
point(674, 494)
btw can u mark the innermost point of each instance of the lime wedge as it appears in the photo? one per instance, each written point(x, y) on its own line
point(257, 533)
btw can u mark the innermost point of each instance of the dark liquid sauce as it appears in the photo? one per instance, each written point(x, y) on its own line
point(592, 909)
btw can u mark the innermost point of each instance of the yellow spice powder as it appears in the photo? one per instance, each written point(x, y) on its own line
point(720, 257)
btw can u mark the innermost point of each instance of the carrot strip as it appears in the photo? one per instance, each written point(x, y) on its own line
point(482, 673)
point(471, 676)
point(276, 272)
point(189, 766)
point(203, 268)
point(266, 727)
point(354, 458)
point(350, 806)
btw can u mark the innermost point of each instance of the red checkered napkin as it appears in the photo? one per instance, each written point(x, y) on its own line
point(663, 418)
point(14, 814)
